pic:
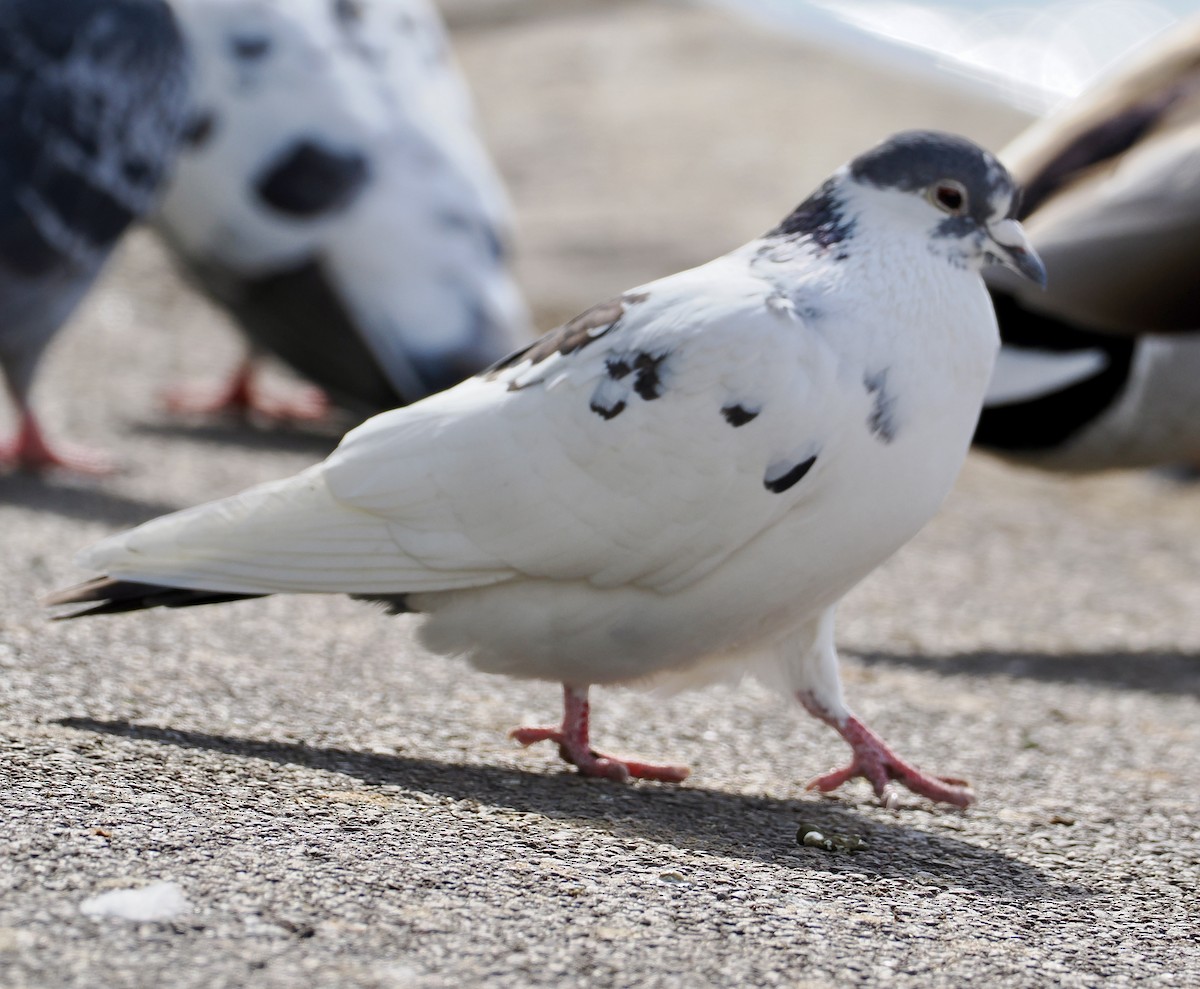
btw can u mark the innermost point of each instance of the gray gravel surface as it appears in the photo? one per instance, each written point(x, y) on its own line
point(343, 811)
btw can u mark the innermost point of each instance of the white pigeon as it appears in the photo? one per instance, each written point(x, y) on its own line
point(92, 103)
point(1101, 370)
point(336, 197)
point(680, 482)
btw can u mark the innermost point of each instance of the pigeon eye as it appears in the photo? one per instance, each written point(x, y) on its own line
point(949, 196)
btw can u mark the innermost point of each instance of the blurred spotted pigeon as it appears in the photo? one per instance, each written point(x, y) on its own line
point(336, 198)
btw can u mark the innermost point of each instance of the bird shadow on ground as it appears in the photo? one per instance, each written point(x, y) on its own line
point(87, 503)
point(1170, 673)
point(689, 818)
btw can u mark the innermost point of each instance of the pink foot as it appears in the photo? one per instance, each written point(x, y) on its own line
point(29, 451)
point(881, 767)
point(572, 740)
point(242, 397)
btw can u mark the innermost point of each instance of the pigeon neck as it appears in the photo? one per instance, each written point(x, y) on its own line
point(823, 218)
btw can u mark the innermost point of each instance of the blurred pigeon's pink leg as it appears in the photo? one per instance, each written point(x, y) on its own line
point(242, 396)
point(880, 766)
point(29, 451)
point(572, 739)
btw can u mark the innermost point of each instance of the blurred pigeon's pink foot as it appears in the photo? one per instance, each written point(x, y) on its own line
point(572, 740)
point(881, 767)
point(244, 398)
point(29, 451)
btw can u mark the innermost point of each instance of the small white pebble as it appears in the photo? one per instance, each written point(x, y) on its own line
point(158, 901)
point(814, 839)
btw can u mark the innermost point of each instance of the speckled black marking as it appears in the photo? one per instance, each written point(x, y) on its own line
point(739, 415)
point(573, 335)
point(821, 218)
point(881, 419)
point(249, 47)
point(1047, 421)
point(780, 484)
point(199, 129)
point(309, 179)
point(647, 382)
point(618, 368)
point(609, 412)
point(914, 160)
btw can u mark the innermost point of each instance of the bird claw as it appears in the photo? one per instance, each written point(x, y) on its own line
point(875, 761)
point(243, 398)
point(592, 763)
point(884, 777)
point(883, 769)
point(29, 451)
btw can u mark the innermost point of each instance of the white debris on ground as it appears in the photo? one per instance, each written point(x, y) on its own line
point(157, 901)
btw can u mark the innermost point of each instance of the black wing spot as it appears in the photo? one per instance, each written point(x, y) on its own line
point(784, 481)
point(249, 47)
point(739, 415)
point(881, 420)
point(618, 368)
point(309, 179)
point(609, 412)
point(647, 383)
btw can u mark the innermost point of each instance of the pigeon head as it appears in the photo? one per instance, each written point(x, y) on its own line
point(951, 189)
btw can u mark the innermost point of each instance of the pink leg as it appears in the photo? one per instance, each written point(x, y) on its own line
point(28, 450)
point(572, 739)
point(242, 396)
point(875, 761)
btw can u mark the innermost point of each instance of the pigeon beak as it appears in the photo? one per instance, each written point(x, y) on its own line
point(1013, 250)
